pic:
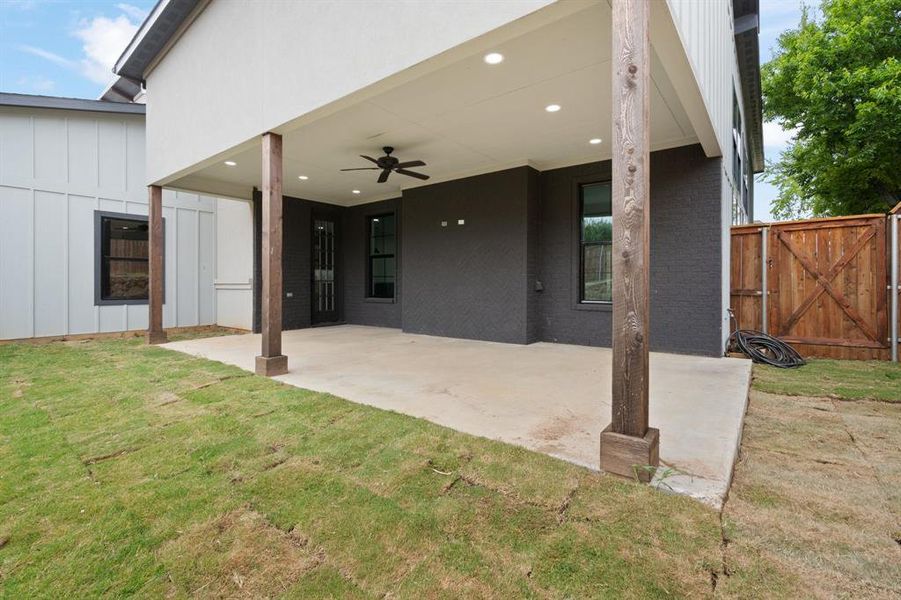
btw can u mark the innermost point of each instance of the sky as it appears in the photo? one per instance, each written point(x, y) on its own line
point(776, 16)
point(64, 48)
point(67, 48)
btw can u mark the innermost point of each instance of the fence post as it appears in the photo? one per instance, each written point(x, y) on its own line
point(893, 298)
point(764, 234)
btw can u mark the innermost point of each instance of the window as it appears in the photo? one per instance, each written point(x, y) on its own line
point(382, 264)
point(737, 145)
point(122, 259)
point(596, 243)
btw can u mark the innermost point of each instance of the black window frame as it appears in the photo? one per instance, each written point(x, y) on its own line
point(99, 216)
point(581, 243)
point(370, 256)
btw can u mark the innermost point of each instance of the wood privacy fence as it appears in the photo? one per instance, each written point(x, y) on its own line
point(823, 285)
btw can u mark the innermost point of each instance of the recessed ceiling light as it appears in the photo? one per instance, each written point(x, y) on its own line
point(552, 107)
point(494, 58)
point(594, 141)
point(302, 177)
point(356, 191)
point(230, 163)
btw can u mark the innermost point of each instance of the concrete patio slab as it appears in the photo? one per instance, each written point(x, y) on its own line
point(551, 398)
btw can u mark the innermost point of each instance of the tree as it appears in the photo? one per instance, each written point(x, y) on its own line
point(837, 80)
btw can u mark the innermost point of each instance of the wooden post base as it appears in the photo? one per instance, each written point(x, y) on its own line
point(629, 456)
point(269, 366)
point(156, 337)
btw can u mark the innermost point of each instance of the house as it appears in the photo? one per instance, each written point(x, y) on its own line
point(514, 171)
point(73, 224)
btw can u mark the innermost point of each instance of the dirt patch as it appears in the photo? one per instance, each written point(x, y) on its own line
point(173, 408)
point(815, 492)
point(556, 428)
point(238, 555)
point(19, 387)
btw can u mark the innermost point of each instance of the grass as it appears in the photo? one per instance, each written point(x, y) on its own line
point(817, 489)
point(840, 379)
point(131, 470)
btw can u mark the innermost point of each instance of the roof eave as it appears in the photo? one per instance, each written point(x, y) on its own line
point(152, 37)
point(747, 47)
point(79, 104)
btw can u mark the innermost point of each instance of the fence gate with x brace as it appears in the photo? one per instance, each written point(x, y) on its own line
point(822, 285)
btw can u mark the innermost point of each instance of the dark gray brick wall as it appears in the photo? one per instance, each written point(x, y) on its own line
point(479, 280)
point(296, 256)
point(468, 281)
point(533, 258)
point(357, 309)
point(685, 258)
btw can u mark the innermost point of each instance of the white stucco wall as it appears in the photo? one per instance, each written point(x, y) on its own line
point(57, 168)
point(234, 263)
point(270, 61)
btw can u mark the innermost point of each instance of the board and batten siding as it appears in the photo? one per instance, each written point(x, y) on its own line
point(707, 33)
point(56, 168)
point(234, 263)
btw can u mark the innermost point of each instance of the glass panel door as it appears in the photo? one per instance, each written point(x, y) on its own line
point(325, 297)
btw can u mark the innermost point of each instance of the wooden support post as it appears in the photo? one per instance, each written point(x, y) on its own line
point(155, 333)
point(272, 361)
point(628, 445)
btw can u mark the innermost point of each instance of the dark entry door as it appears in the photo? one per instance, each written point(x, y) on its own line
point(325, 277)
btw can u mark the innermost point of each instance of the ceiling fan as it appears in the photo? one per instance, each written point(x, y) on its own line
point(388, 163)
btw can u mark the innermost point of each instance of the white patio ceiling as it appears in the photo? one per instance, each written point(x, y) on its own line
point(465, 118)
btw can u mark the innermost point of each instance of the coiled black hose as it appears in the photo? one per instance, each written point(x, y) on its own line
point(763, 349)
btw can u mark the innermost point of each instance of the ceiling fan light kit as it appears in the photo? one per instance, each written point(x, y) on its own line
point(388, 164)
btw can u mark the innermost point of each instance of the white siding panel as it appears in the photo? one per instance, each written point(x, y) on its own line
point(234, 263)
point(112, 148)
point(82, 312)
point(16, 260)
point(50, 258)
point(170, 267)
point(50, 149)
point(83, 153)
point(110, 205)
point(206, 263)
point(186, 282)
point(57, 168)
point(112, 318)
point(137, 316)
point(706, 32)
point(135, 168)
point(16, 148)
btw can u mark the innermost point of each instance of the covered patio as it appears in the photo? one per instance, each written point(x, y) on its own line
point(551, 398)
point(491, 247)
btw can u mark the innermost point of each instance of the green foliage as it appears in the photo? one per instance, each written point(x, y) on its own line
point(597, 229)
point(837, 80)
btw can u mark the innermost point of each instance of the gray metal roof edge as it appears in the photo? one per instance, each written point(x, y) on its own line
point(161, 23)
point(747, 47)
point(121, 90)
point(82, 104)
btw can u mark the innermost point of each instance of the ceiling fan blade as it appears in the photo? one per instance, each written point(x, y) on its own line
point(369, 158)
point(363, 169)
point(412, 174)
point(412, 163)
point(384, 175)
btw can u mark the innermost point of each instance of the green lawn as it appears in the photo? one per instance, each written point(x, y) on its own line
point(128, 470)
point(841, 379)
